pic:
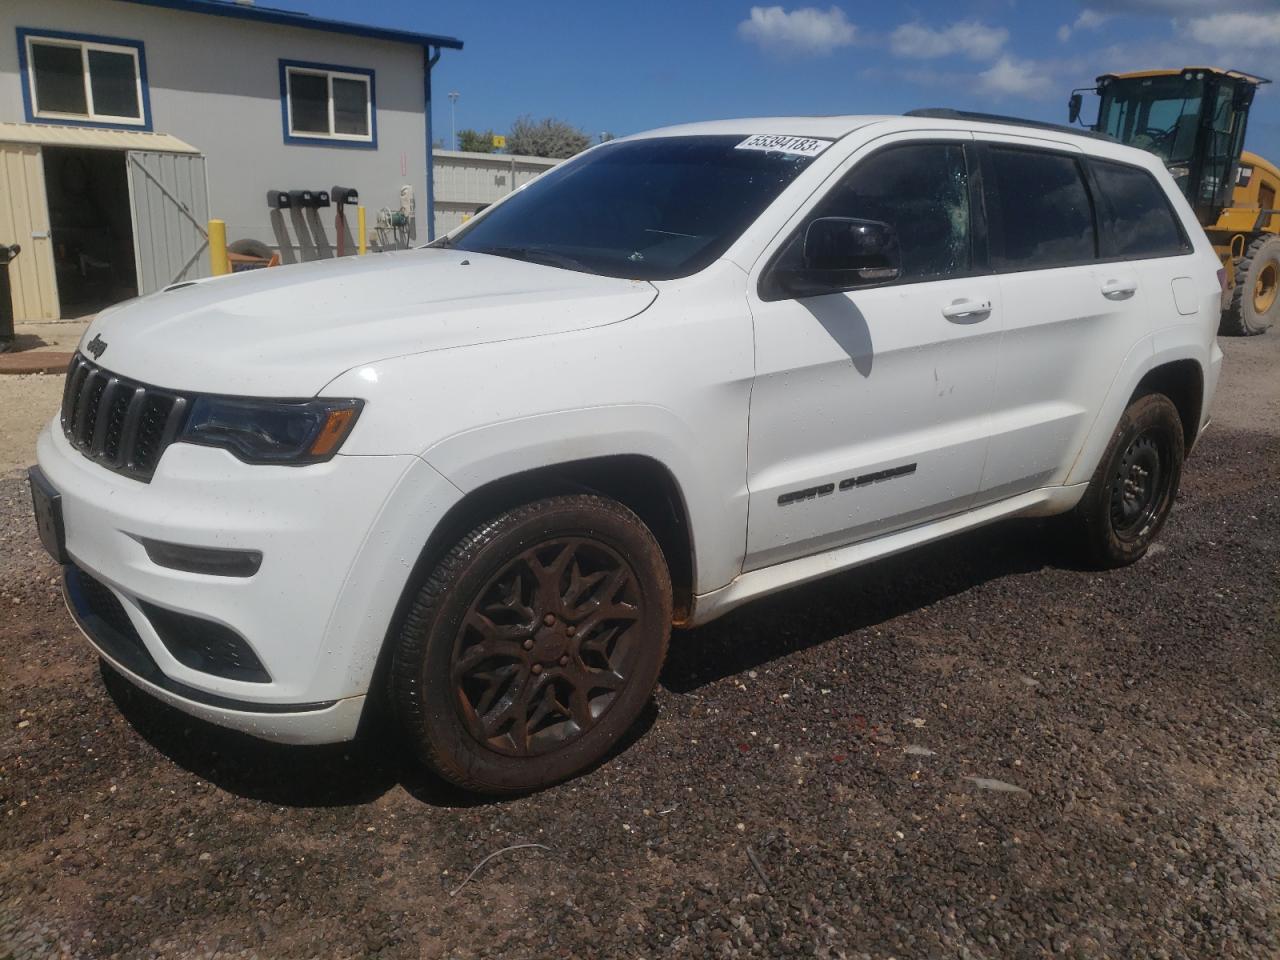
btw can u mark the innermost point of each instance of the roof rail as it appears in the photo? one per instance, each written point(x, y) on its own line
point(943, 113)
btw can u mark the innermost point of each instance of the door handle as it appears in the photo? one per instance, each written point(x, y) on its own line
point(1119, 289)
point(967, 311)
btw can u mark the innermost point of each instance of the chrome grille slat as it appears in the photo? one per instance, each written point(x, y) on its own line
point(120, 423)
point(102, 419)
point(129, 431)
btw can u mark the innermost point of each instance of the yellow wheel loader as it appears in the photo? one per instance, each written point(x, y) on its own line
point(1194, 120)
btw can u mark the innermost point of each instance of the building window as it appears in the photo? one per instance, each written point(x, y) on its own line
point(322, 103)
point(78, 79)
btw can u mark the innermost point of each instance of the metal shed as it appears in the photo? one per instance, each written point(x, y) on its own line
point(168, 201)
point(466, 181)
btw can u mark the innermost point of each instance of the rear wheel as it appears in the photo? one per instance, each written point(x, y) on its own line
point(1255, 301)
point(1133, 489)
point(534, 645)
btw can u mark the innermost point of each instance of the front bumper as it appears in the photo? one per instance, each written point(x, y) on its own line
point(338, 541)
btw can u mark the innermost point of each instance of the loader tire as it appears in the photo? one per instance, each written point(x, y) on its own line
point(1255, 302)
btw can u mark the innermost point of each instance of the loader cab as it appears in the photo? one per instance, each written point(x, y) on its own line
point(1193, 119)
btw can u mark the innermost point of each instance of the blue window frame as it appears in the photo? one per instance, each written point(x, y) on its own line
point(328, 105)
point(79, 79)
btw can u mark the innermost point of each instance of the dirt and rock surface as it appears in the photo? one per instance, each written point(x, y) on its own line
point(978, 750)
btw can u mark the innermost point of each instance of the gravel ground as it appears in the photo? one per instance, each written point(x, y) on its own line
point(978, 750)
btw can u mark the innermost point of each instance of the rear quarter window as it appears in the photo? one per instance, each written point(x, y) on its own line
point(1137, 219)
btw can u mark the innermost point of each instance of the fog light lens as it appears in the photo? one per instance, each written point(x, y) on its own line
point(213, 561)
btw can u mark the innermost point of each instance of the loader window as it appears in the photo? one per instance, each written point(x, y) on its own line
point(1137, 220)
point(1156, 114)
point(1044, 216)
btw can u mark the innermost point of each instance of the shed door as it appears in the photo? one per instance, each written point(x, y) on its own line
point(170, 200)
point(24, 220)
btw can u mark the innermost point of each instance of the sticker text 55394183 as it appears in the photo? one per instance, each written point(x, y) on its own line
point(777, 143)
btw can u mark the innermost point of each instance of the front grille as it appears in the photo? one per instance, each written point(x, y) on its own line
point(119, 423)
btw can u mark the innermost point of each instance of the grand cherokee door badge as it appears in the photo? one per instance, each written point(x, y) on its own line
point(849, 483)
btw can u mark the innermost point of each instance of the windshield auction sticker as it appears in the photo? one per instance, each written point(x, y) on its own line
point(776, 143)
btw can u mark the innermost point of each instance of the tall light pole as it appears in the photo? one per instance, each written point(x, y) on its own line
point(453, 120)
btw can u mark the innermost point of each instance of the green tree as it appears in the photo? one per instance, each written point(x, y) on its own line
point(546, 138)
point(476, 141)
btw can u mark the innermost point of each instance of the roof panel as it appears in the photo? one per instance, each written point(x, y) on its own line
point(52, 135)
point(290, 18)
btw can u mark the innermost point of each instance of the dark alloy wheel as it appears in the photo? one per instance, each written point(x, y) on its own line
point(534, 645)
point(546, 646)
point(1134, 486)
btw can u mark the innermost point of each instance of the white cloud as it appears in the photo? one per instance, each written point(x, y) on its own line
point(1011, 77)
point(1089, 19)
point(1180, 6)
point(975, 40)
point(806, 30)
point(1248, 31)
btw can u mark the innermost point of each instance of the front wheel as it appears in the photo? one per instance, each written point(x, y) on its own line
point(534, 645)
point(1132, 491)
point(1255, 302)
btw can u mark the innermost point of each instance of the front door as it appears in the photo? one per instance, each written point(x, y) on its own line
point(869, 411)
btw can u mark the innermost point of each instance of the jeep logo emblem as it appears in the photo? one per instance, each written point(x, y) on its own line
point(97, 346)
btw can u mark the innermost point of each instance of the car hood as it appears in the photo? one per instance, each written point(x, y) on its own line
point(286, 332)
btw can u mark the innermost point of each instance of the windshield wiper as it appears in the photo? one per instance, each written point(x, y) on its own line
point(537, 255)
point(442, 243)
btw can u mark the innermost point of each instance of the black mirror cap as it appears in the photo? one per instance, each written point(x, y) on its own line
point(850, 244)
point(1074, 106)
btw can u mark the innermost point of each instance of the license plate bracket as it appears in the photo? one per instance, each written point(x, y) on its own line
point(47, 505)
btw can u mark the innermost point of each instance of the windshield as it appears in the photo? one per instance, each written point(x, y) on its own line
point(1156, 114)
point(653, 209)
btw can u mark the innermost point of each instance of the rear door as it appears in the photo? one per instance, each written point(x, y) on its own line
point(1070, 318)
point(169, 195)
point(869, 408)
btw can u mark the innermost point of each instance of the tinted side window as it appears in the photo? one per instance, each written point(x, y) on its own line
point(1045, 215)
point(1137, 219)
point(922, 191)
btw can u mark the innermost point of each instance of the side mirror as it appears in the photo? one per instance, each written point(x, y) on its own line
point(843, 253)
point(1074, 106)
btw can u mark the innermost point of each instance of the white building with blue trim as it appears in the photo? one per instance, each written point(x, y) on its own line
point(126, 123)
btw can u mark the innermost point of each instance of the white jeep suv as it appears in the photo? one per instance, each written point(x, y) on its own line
point(483, 479)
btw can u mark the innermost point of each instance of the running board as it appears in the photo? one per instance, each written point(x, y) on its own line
point(759, 583)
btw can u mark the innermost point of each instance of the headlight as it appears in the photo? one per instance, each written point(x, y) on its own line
point(271, 431)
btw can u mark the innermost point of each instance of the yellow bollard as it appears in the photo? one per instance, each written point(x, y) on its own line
point(362, 245)
point(218, 261)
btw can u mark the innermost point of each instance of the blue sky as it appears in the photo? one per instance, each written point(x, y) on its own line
point(624, 67)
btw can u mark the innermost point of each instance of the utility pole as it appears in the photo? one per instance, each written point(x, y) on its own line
point(453, 119)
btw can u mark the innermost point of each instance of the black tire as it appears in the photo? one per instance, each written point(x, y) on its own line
point(1132, 491)
point(494, 684)
point(1254, 304)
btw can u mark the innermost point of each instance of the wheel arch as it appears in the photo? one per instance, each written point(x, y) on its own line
point(1182, 381)
point(641, 483)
